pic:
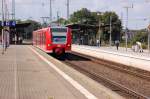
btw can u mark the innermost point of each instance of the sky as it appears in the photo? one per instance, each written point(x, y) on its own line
point(139, 15)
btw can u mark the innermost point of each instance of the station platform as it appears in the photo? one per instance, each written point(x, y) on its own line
point(129, 57)
point(28, 73)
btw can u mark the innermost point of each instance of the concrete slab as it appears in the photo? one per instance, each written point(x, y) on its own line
point(25, 76)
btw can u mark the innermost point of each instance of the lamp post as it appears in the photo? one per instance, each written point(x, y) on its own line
point(149, 38)
point(110, 39)
point(99, 27)
point(58, 18)
point(68, 10)
point(148, 33)
point(149, 41)
point(13, 9)
point(50, 11)
point(2, 26)
point(126, 35)
point(147, 1)
point(126, 30)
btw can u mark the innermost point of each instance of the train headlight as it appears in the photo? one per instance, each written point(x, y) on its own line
point(49, 44)
point(68, 45)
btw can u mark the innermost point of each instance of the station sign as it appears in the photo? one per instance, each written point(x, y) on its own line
point(12, 23)
point(8, 23)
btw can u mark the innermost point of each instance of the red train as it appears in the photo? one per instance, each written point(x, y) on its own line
point(55, 40)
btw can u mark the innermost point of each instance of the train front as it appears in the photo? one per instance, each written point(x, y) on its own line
point(61, 39)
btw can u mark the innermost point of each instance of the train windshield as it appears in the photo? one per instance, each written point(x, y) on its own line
point(59, 35)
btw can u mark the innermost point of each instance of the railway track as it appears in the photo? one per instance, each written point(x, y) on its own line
point(79, 62)
point(128, 69)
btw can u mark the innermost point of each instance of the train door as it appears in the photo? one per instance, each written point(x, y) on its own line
point(48, 41)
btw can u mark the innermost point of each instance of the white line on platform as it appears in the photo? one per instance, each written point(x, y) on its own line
point(84, 91)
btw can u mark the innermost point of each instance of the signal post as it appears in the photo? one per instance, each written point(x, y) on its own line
point(149, 38)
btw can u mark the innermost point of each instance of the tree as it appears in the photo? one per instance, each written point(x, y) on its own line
point(116, 25)
point(83, 16)
point(140, 36)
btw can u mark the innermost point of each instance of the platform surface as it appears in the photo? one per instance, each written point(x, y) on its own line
point(24, 75)
point(130, 58)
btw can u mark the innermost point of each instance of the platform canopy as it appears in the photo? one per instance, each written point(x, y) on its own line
point(82, 26)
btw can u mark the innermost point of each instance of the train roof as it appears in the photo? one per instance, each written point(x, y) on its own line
point(41, 29)
point(56, 27)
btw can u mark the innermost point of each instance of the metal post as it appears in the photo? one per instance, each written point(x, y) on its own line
point(58, 18)
point(127, 8)
point(6, 35)
point(50, 11)
point(2, 40)
point(122, 23)
point(149, 40)
point(2, 26)
point(148, 31)
point(110, 39)
point(13, 9)
point(99, 31)
point(45, 19)
point(13, 17)
point(68, 4)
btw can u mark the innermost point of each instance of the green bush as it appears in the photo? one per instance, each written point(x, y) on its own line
point(144, 46)
point(124, 45)
point(140, 37)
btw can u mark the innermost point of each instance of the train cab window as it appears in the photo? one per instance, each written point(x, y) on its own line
point(59, 35)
